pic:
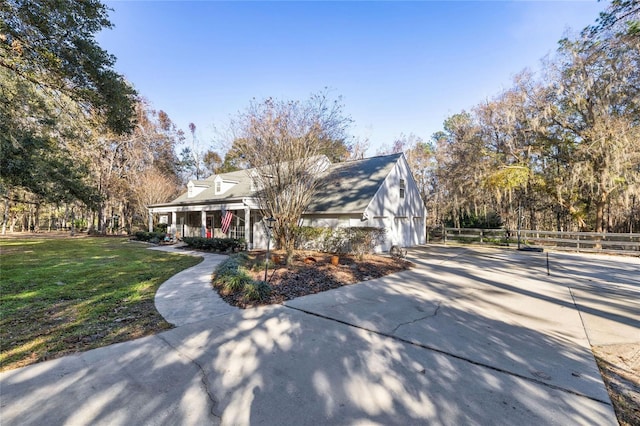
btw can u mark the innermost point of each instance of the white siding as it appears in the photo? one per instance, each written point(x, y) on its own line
point(328, 222)
point(402, 227)
point(385, 223)
point(193, 189)
point(403, 218)
point(227, 185)
point(259, 235)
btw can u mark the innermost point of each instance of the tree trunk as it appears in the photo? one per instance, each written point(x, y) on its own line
point(101, 221)
point(633, 209)
point(29, 218)
point(600, 205)
point(73, 224)
point(5, 215)
point(65, 218)
point(36, 218)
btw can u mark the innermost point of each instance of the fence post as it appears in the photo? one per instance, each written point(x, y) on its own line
point(578, 242)
point(444, 234)
point(481, 235)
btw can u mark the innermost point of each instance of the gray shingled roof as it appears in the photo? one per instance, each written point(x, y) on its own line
point(240, 190)
point(349, 187)
point(345, 188)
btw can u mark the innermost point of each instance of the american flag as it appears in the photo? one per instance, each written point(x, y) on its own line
point(226, 221)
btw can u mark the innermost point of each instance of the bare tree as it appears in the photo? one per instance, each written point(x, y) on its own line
point(283, 141)
point(359, 148)
point(153, 187)
point(193, 157)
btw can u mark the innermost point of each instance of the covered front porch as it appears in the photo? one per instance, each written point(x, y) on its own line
point(206, 221)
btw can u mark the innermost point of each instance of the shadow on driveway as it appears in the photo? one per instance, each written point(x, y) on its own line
point(434, 345)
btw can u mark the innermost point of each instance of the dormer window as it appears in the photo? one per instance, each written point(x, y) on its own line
point(402, 188)
point(195, 188)
point(222, 184)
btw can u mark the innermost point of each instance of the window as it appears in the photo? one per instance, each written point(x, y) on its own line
point(402, 188)
point(218, 187)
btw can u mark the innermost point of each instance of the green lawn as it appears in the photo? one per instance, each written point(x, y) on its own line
point(64, 295)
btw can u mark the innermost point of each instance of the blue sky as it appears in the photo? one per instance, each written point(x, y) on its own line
point(401, 67)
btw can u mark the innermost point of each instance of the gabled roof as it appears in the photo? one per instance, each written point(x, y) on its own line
point(349, 187)
point(240, 190)
point(345, 187)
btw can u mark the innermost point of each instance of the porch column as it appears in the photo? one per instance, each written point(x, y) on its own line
point(247, 226)
point(150, 221)
point(174, 222)
point(203, 222)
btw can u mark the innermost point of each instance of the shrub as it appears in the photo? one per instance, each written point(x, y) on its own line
point(216, 244)
point(257, 291)
point(161, 227)
point(363, 240)
point(337, 241)
point(231, 277)
point(225, 271)
point(242, 256)
point(356, 240)
point(154, 237)
point(309, 235)
point(236, 282)
point(259, 266)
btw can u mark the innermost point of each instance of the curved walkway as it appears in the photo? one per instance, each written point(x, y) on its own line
point(187, 297)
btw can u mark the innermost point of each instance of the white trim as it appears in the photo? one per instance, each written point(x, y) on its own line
point(199, 207)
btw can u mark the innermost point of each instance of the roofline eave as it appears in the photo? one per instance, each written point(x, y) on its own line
point(195, 203)
point(359, 212)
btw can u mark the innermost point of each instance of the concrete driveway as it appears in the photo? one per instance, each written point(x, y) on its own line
point(469, 336)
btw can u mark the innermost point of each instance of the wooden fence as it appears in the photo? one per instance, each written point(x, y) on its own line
point(595, 242)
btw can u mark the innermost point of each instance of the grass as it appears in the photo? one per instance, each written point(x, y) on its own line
point(60, 296)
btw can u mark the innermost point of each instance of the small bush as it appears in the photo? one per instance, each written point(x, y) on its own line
point(216, 244)
point(154, 237)
point(161, 227)
point(259, 266)
point(257, 291)
point(225, 271)
point(356, 240)
point(310, 236)
point(363, 240)
point(237, 281)
point(231, 277)
point(241, 256)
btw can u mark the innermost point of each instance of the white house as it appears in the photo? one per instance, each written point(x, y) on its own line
point(378, 191)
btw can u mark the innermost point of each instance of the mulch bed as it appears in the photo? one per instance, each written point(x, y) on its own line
point(312, 272)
